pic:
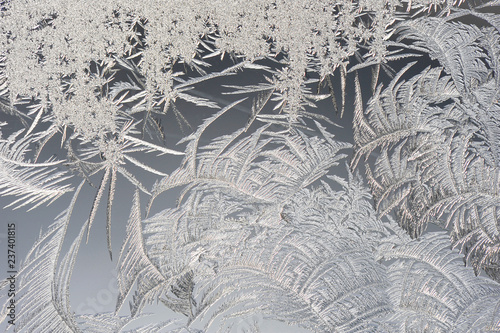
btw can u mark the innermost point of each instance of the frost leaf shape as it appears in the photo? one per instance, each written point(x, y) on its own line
point(453, 44)
point(33, 183)
point(432, 291)
point(242, 170)
point(402, 110)
point(264, 167)
point(437, 136)
point(469, 54)
point(311, 278)
point(134, 266)
point(230, 250)
point(42, 296)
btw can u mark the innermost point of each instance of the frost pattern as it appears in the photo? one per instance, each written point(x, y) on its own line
point(261, 225)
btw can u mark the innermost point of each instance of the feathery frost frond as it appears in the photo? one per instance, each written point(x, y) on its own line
point(134, 264)
point(422, 279)
point(33, 183)
point(436, 133)
point(42, 295)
